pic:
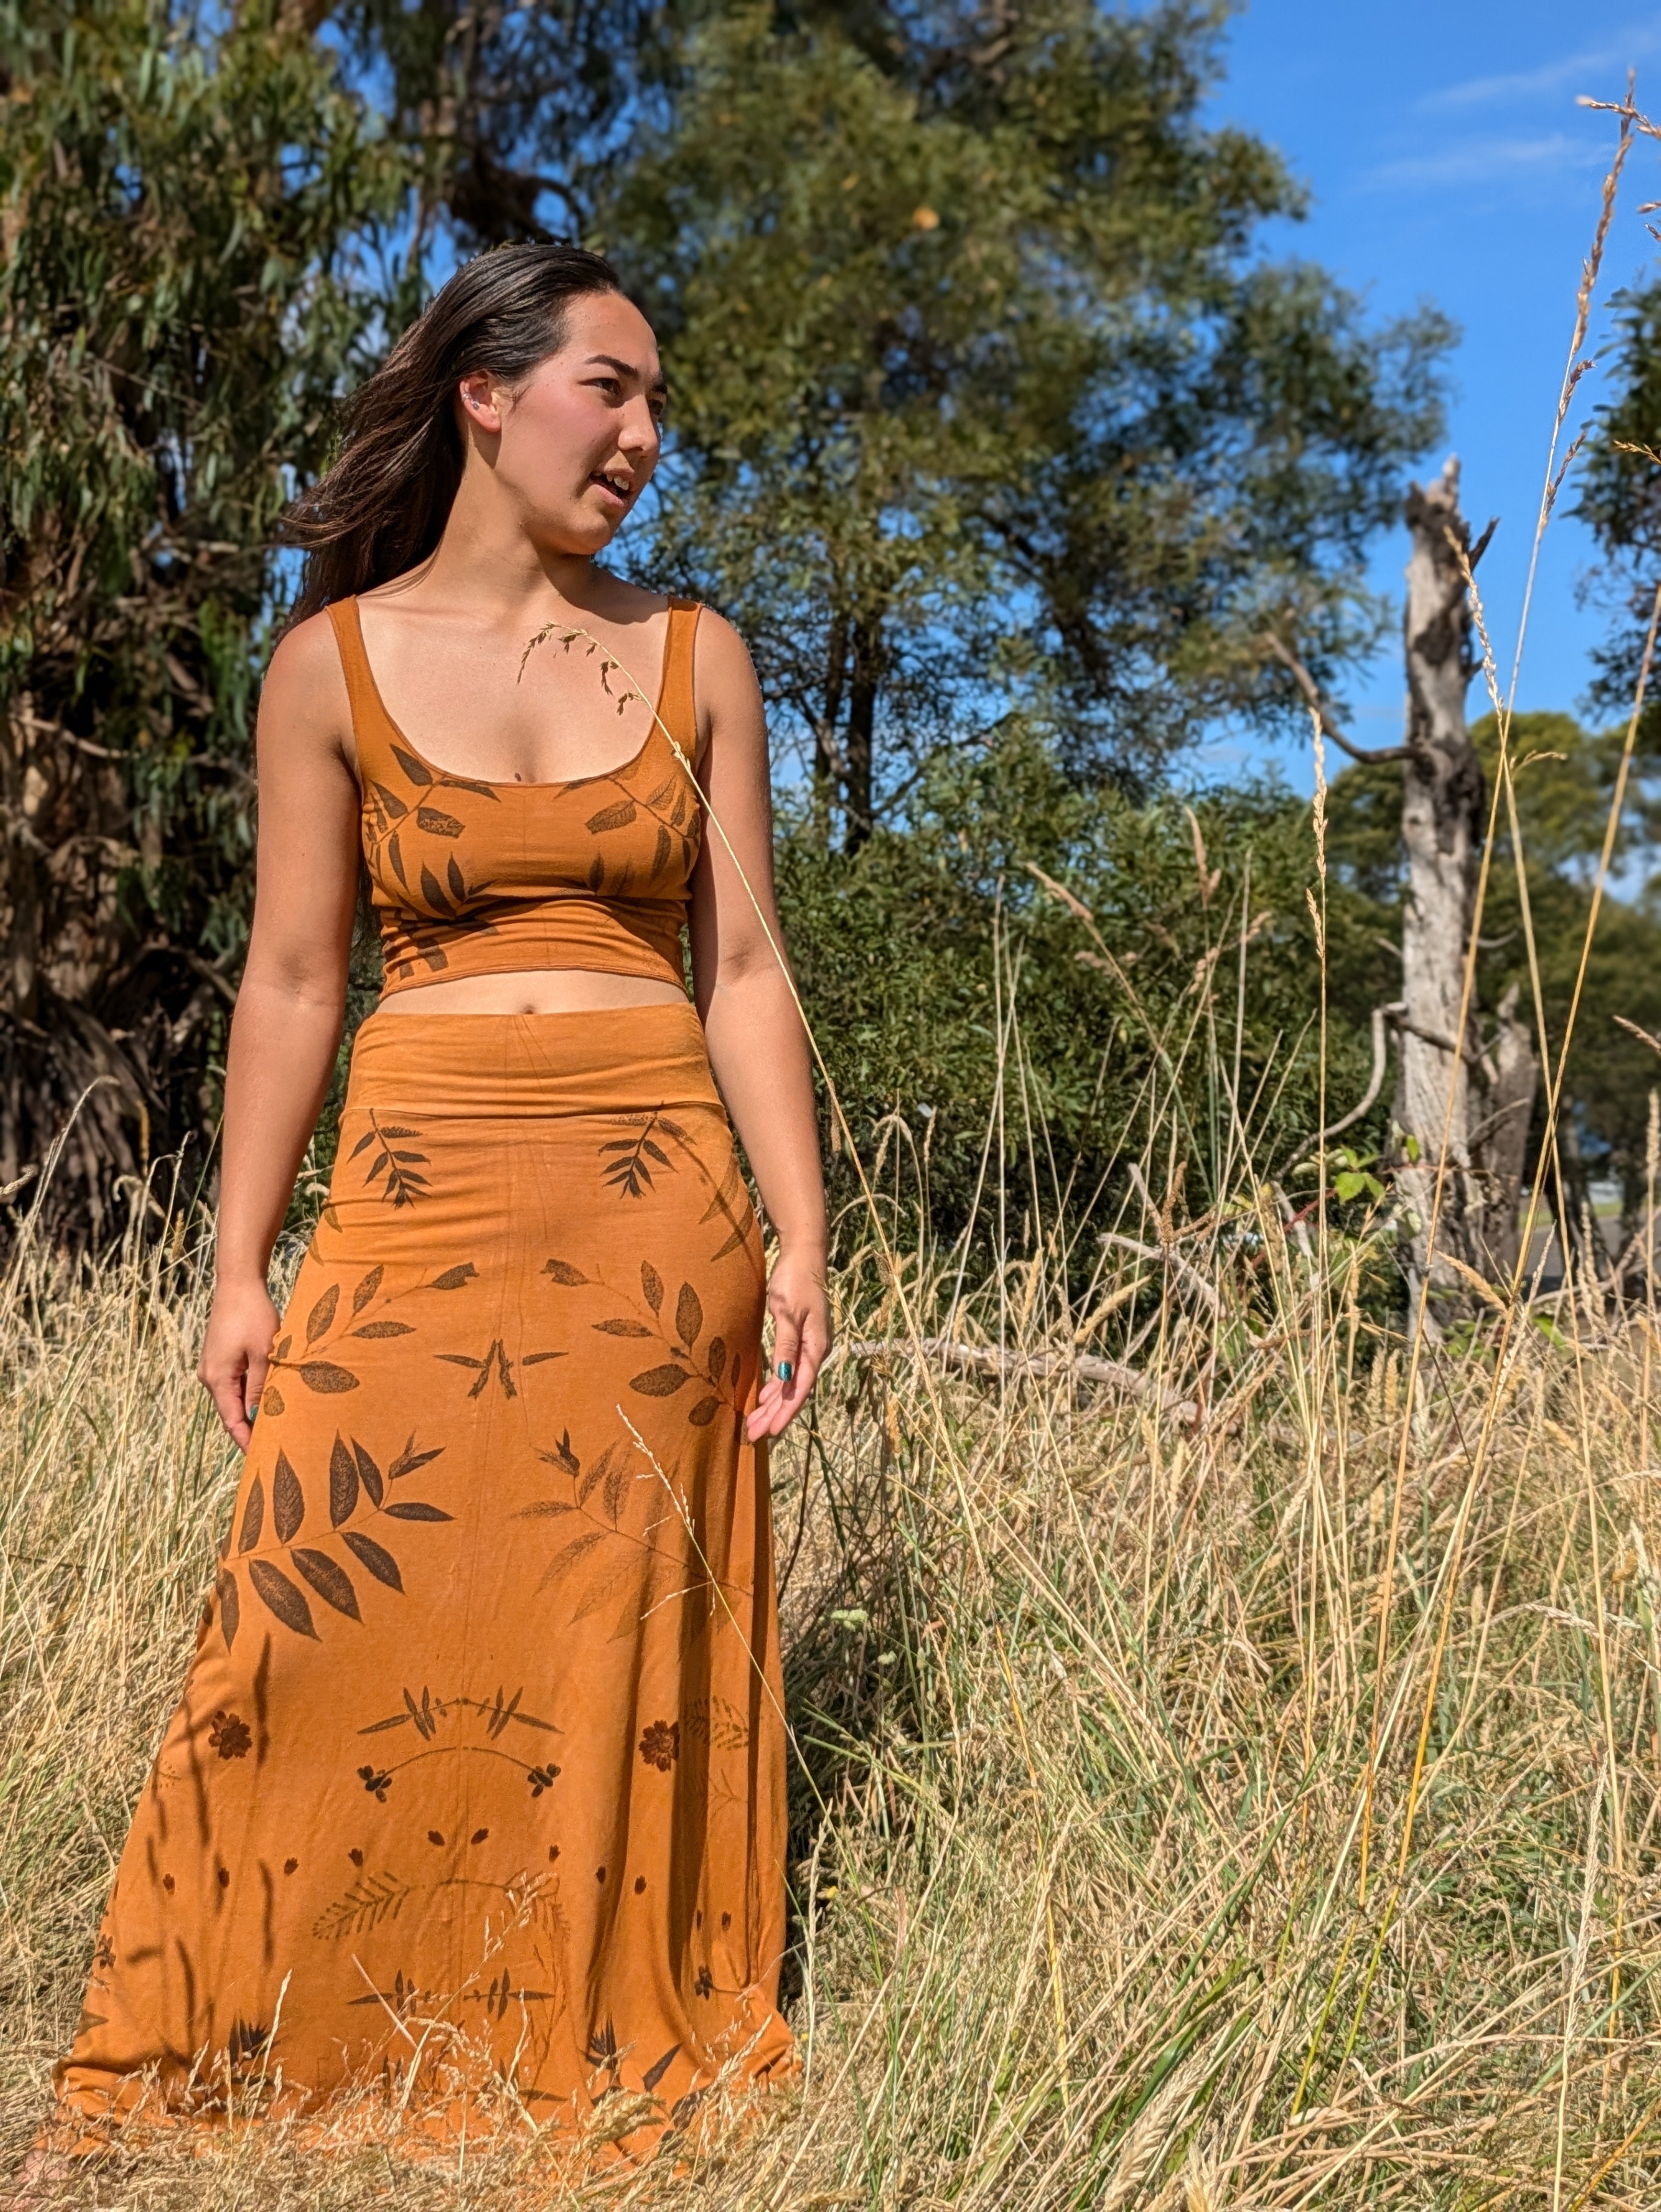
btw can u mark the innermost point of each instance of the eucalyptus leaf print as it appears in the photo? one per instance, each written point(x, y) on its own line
point(343, 1483)
point(331, 1582)
point(230, 1607)
point(253, 1516)
point(631, 1160)
point(288, 1501)
point(279, 1594)
point(375, 1557)
point(326, 1376)
point(321, 1319)
point(390, 1145)
point(661, 1382)
point(356, 1493)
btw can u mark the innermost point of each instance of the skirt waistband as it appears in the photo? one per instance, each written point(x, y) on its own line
point(621, 1058)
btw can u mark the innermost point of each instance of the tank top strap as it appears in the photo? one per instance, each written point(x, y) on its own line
point(677, 707)
point(368, 715)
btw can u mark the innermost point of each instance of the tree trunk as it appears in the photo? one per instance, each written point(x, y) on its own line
point(1477, 1102)
point(858, 791)
point(1499, 1142)
point(827, 753)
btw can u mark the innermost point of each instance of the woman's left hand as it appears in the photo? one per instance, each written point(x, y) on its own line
point(800, 1307)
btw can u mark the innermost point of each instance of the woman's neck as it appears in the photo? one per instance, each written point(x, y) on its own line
point(484, 560)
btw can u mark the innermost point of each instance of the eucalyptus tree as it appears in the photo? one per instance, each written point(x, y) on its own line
point(984, 393)
point(184, 211)
point(1619, 499)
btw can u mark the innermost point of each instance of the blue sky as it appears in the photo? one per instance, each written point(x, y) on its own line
point(1446, 159)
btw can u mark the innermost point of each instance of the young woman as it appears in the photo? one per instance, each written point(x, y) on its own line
point(477, 1787)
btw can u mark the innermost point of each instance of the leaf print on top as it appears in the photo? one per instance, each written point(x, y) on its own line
point(354, 1481)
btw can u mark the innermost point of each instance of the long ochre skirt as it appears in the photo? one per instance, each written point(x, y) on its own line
point(476, 1789)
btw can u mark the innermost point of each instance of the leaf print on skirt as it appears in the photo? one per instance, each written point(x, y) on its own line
point(390, 1786)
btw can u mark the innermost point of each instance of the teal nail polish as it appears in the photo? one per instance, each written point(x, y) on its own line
point(786, 1371)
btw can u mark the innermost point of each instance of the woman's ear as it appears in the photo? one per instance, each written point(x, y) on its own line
point(480, 403)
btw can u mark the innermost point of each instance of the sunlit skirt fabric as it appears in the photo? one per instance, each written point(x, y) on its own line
point(476, 1788)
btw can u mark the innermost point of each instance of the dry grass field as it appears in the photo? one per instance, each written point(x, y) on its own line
point(1227, 1775)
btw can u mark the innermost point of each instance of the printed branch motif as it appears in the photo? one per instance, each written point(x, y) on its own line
point(354, 1477)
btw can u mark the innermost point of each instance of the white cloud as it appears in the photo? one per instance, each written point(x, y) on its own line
point(1573, 73)
point(1479, 161)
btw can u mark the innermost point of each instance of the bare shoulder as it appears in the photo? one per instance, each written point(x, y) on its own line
point(305, 693)
point(724, 673)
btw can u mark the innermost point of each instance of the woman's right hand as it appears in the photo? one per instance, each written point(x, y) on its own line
point(236, 1352)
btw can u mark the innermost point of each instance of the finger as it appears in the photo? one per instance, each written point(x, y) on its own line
point(226, 1395)
point(815, 1348)
point(226, 1389)
point(786, 1355)
point(253, 1382)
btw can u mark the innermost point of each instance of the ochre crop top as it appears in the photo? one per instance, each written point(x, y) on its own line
point(475, 878)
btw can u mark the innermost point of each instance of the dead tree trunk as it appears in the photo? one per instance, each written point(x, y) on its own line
point(1476, 1102)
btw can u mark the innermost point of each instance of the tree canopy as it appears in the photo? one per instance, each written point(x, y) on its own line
point(984, 397)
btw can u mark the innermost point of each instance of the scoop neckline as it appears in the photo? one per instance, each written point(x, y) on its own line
point(455, 775)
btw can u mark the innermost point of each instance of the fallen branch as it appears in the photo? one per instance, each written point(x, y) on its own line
point(1174, 1261)
point(987, 1359)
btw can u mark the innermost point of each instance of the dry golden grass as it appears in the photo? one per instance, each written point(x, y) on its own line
point(1089, 1723)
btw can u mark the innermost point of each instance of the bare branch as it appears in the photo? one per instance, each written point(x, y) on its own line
point(1380, 1049)
point(987, 1359)
point(1318, 706)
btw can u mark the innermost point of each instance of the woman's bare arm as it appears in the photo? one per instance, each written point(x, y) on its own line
point(757, 1047)
point(286, 1029)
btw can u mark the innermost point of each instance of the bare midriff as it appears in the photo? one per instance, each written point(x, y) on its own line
point(535, 991)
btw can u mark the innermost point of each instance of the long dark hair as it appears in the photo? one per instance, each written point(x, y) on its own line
point(381, 506)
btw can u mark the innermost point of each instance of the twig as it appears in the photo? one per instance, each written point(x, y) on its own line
point(1376, 1084)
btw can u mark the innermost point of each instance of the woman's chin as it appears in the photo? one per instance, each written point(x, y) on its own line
point(575, 537)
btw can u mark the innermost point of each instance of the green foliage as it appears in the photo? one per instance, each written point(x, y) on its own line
point(1620, 494)
point(982, 396)
point(513, 114)
point(182, 296)
point(933, 961)
point(993, 421)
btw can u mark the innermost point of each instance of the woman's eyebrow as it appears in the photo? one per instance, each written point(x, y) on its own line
point(660, 382)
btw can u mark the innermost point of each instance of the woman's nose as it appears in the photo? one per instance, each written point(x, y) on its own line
point(640, 432)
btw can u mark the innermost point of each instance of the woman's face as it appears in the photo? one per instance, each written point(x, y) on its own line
point(573, 447)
